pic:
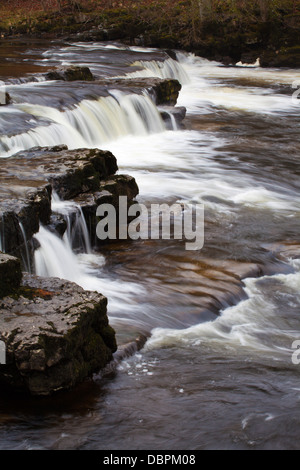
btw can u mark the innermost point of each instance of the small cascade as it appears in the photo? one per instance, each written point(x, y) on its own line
point(77, 232)
point(173, 122)
point(54, 257)
point(25, 253)
point(90, 124)
point(167, 69)
point(170, 120)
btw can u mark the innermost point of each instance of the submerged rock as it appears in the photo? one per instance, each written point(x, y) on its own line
point(70, 74)
point(56, 334)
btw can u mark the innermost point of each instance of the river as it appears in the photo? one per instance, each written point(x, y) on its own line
point(217, 370)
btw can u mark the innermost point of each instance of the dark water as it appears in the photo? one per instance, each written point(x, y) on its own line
point(217, 370)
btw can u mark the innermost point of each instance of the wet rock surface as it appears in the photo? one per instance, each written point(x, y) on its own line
point(25, 196)
point(56, 334)
point(162, 91)
point(70, 172)
point(10, 274)
point(168, 113)
point(109, 192)
point(71, 74)
point(22, 208)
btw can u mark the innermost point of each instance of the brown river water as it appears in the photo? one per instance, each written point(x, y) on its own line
point(216, 371)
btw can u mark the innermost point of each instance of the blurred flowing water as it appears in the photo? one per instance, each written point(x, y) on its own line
point(217, 370)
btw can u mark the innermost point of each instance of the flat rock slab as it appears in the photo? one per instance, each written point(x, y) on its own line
point(55, 334)
point(28, 179)
point(70, 172)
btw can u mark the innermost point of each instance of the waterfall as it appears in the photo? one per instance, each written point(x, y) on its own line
point(77, 232)
point(154, 68)
point(26, 258)
point(90, 124)
point(55, 258)
point(173, 123)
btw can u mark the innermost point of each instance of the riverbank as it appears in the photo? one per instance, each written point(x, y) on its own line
point(226, 31)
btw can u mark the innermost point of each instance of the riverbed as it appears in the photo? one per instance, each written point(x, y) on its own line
point(217, 370)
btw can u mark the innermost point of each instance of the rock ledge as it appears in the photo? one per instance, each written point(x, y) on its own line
point(56, 334)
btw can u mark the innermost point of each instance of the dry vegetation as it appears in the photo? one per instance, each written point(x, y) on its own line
point(225, 27)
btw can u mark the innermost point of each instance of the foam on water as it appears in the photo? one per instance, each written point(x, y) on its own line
point(55, 258)
point(202, 95)
point(91, 123)
point(254, 325)
point(245, 64)
point(198, 176)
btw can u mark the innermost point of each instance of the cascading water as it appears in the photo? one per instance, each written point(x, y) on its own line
point(204, 380)
point(71, 258)
point(54, 257)
point(77, 231)
point(92, 123)
point(162, 69)
point(26, 258)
